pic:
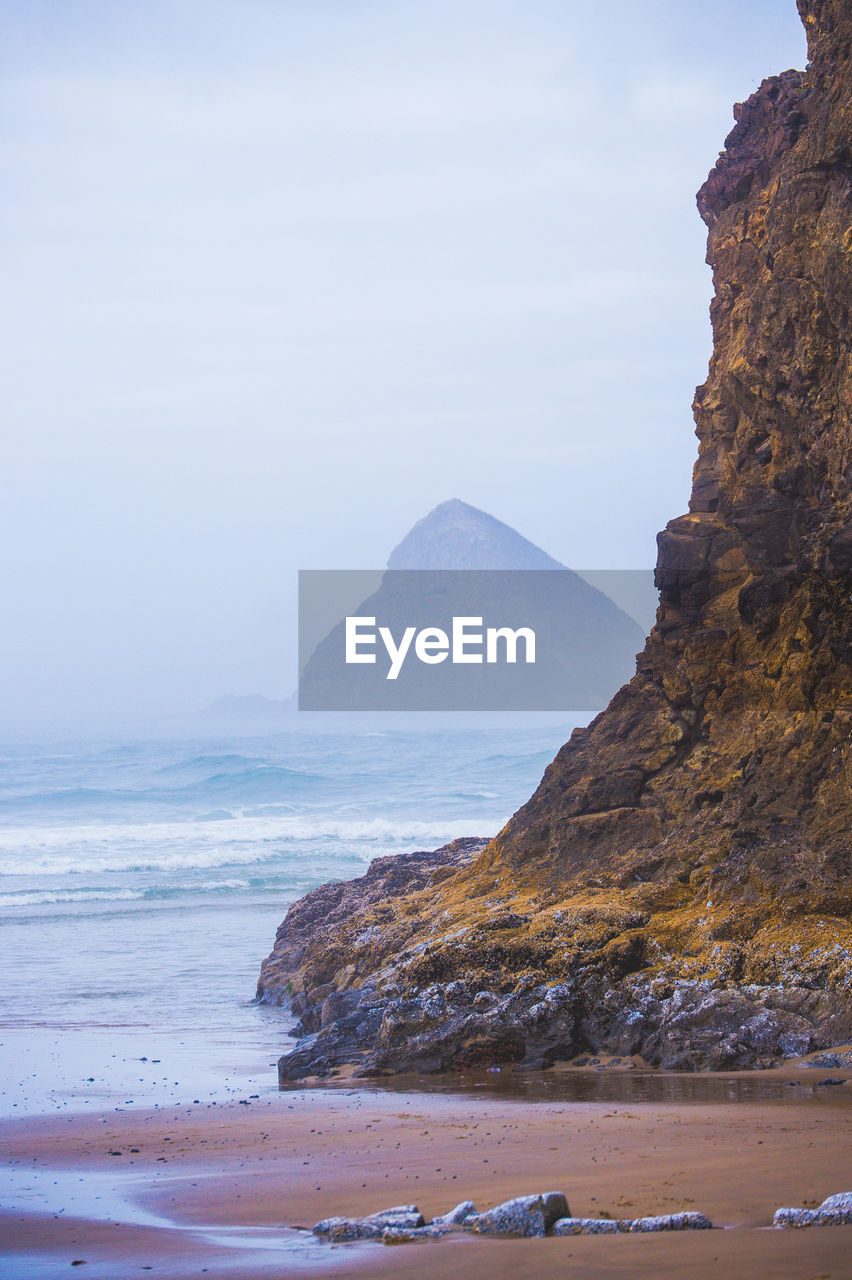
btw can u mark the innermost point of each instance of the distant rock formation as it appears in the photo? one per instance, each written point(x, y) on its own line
point(457, 536)
point(680, 884)
point(586, 644)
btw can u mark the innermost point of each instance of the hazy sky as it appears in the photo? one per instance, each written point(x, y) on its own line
point(281, 275)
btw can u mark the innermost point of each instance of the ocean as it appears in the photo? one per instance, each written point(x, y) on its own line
point(141, 884)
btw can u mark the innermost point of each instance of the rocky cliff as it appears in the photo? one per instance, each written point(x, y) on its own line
point(679, 885)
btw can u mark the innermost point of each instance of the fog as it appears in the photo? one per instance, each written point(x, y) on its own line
point(281, 275)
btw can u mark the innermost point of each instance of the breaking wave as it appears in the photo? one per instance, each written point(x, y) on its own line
point(73, 850)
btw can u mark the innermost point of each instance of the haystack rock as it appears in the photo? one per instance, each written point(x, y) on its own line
point(680, 886)
point(455, 535)
point(585, 644)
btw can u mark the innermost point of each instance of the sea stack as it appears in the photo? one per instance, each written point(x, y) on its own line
point(680, 885)
point(455, 535)
point(456, 562)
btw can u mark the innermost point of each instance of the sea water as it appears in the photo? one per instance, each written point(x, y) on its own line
point(141, 884)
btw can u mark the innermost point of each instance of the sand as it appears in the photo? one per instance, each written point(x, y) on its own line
point(219, 1189)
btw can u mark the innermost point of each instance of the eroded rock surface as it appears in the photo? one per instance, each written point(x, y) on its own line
point(403, 1217)
point(835, 1211)
point(524, 1216)
point(680, 884)
point(690, 1221)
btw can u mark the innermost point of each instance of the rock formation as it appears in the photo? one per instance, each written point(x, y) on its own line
point(586, 644)
point(541, 1214)
point(679, 885)
point(834, 1211)
point(455, 535)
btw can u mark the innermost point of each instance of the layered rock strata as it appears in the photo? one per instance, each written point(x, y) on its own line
point(680, 884)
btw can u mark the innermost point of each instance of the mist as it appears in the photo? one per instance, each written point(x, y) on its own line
point(280, 277)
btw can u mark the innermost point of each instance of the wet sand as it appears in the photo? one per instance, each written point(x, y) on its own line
point(219, 1190)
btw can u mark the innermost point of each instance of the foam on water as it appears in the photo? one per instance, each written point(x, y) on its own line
point(108, 847)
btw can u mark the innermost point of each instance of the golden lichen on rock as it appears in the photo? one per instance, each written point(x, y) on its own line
point(680, 884)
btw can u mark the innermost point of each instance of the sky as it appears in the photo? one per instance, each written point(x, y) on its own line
point(281, 275)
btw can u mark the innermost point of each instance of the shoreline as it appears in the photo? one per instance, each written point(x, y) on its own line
point(224, 1187)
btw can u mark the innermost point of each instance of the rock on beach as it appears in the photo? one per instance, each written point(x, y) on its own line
point(524, 1216)
point(834, 1211)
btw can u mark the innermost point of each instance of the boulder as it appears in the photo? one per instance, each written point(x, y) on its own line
point(338, 1230)
point(610, 1226)
point(587, 1227)
point(672, 1222)
point(795, 1218)
point(834, 1211)
point(524, 1216)
point(413, 1235)
point(405, 1217)
point(455, 1217)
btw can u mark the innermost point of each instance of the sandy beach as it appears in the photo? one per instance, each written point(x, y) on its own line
point(227, 1189)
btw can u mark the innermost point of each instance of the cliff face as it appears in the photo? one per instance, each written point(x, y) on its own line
point(680, 884)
